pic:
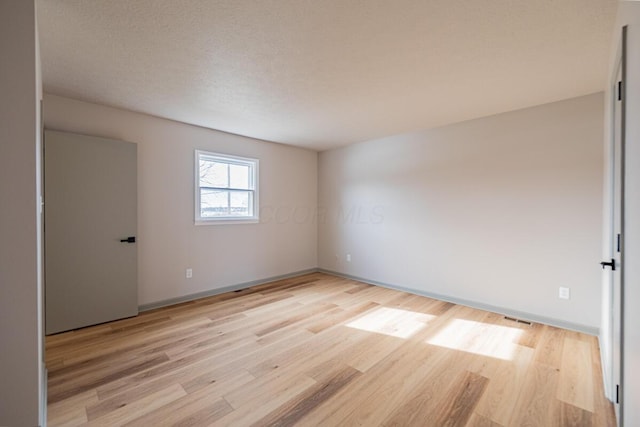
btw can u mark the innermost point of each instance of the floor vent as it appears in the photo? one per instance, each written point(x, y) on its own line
point(513, 319)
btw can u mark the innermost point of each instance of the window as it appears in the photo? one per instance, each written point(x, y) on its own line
point(226, 188)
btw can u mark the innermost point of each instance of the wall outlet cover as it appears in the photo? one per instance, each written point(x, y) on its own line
point(564, 293)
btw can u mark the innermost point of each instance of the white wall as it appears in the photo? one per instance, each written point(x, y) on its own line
point(499, 211)
point(169, 242)
point(21, 379)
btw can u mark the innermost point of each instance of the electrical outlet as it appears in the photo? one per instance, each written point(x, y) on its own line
point(564, 293)
point(189, 273)
point(348, 257)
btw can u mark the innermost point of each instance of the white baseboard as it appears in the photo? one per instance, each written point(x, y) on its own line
point(217, 291)
point(474, 304)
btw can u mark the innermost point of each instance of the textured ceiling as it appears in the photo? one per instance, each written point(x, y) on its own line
point(324, 73)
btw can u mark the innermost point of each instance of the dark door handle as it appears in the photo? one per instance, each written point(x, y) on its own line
point(611, 264)
point(130, 239)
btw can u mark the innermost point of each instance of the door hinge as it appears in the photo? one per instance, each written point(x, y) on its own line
point(620, 91)
point(617, 393)
point(618, 243)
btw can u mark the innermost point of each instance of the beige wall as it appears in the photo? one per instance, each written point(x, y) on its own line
point(21, 382)
point(499, 211)
point(220, 255)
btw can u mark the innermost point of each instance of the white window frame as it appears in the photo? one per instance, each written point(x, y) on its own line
point(253, 184)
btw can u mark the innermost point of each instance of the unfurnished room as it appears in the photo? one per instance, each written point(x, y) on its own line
point(319, 213)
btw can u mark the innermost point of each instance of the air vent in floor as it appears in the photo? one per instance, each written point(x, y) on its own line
point(513, 319)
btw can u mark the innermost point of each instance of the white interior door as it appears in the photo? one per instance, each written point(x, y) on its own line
point(616, 246)
point(614, 364)
point(90, 204)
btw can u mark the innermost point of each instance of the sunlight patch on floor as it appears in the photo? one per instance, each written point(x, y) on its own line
point(479, 338)
point(392, 321)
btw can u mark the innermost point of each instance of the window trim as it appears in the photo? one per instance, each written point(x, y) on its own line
point(254, 180)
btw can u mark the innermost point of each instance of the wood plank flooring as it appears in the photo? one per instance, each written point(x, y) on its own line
point(322, 350)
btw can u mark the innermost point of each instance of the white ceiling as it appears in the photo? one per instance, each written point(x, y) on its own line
point(324, 73)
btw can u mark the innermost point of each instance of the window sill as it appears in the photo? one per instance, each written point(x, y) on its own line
point(227, 221)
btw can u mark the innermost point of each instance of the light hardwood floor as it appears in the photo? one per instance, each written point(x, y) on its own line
point(322, 350)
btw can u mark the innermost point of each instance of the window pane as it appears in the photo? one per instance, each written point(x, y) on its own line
point(226, 186)
point(214, 203)
point(213, 174)
point(240, 203)
point(239, 175)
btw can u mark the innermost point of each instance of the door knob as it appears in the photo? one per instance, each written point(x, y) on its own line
point(130, 239)
point(611, 264)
